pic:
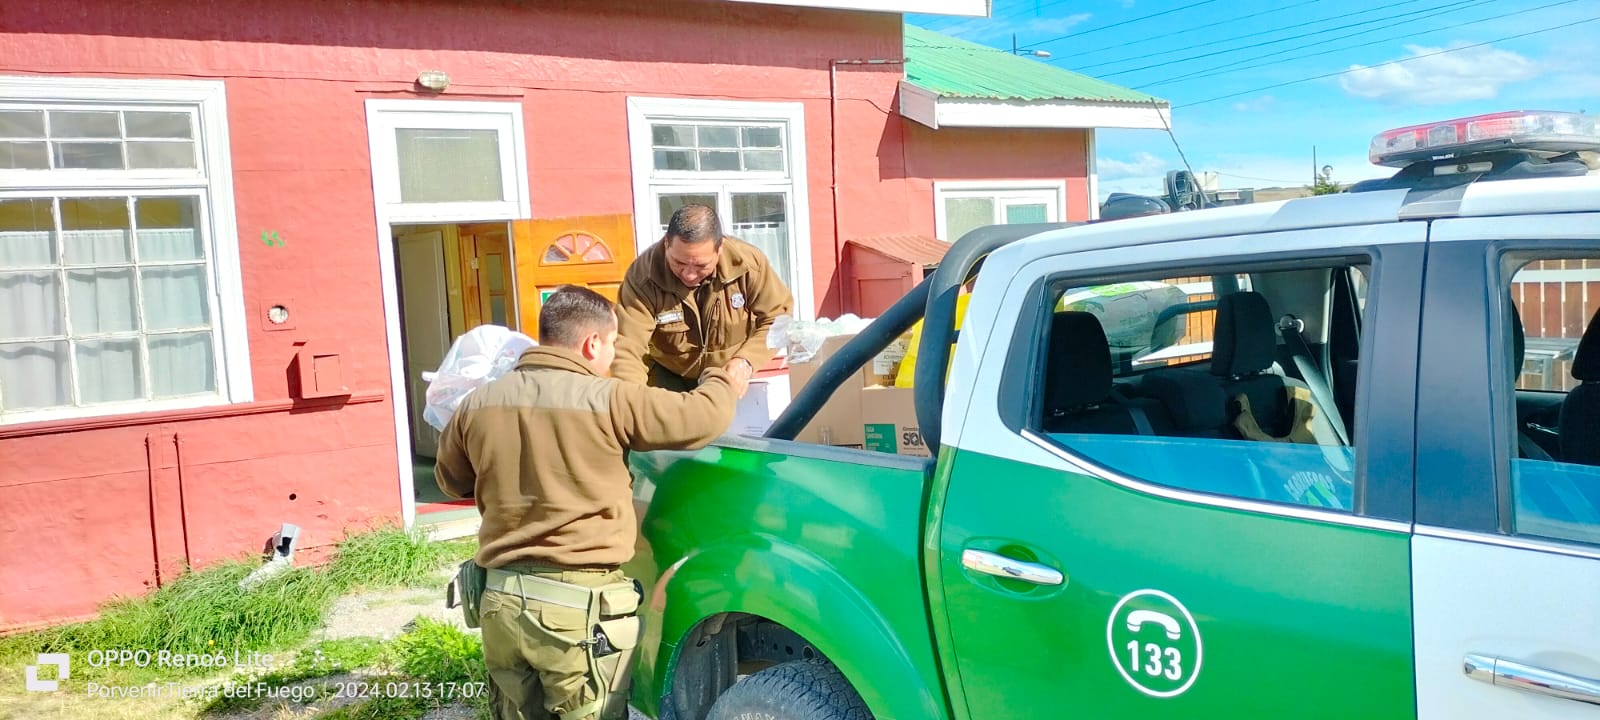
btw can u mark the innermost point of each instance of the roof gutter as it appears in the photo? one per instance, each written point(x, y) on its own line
point(937, 110)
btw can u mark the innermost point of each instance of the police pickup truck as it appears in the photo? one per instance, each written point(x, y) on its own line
point(1372, 489)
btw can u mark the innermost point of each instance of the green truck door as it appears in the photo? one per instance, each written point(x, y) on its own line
point(1125, 576)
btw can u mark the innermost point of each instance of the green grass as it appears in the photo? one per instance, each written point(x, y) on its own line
point(199, 613)
point(206, 612)
point(433, 653)
point(386, 707)
point(439, 652)
point(391, 557)
point(321, 659)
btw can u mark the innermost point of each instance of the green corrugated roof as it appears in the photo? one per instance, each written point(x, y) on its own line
point(953, 67)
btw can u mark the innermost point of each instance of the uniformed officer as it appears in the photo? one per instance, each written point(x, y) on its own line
point(541, 450)
point(694, 301)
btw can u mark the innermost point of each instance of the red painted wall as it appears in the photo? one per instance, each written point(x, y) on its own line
point(998, 154)
point(888, 164)
point(87, 513)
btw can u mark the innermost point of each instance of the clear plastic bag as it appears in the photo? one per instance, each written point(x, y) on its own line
point(801, 339)
point(480, 355)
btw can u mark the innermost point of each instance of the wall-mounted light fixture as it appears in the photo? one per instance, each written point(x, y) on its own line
point(435, 80)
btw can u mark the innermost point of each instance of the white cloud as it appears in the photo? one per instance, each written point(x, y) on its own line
point(1027, 30)
point(1473, 74)
point(1260, 104)
point(1142, 164)
point(1049, 26)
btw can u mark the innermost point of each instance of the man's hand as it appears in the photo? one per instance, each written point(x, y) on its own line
point(740, 370)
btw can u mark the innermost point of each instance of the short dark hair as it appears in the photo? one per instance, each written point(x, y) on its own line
point(695, 223)
point(571, 313)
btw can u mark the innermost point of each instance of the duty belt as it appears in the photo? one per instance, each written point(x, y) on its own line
point(541, 589)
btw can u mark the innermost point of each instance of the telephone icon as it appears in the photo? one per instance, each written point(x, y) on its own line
point(1139, 618)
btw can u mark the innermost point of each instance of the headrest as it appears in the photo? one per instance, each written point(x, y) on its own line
point(1246, 339)
point(1519, 344)
point(1586, 362)
point(1196, 401)
point(1078, 366)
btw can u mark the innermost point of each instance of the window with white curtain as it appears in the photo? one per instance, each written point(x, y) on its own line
point(114, 294)
point(746, 159)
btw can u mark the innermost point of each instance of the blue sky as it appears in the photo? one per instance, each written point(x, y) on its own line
point(1263, 136)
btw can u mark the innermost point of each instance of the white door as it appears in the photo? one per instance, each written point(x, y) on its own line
point(1490, 616)
point(1506, 559)
point(425, 320)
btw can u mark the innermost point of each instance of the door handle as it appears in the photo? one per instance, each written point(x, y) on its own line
point(1511, 674)
point(990, 563)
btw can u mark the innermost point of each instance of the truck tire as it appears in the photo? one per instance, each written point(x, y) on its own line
point(797, 690)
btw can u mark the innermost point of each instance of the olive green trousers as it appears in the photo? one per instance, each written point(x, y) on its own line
point(538, 657)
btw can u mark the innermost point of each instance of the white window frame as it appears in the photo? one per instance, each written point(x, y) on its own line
point(214, 186)
point(1054, 191)
point(649, 182)
point(385, 117)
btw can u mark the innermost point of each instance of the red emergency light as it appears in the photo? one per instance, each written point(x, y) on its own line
point(1535, 130)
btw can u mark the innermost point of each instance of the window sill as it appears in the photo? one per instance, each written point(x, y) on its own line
point(54, 427)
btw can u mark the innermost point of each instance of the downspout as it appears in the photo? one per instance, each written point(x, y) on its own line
point(1094, 176)
point(183, 505)
point(833, 161)
point(150, 486)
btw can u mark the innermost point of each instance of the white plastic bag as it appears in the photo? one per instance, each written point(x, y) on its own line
point(801, 339)
point(477, 357)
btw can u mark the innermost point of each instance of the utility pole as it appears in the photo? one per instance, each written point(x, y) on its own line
point(1313, 166)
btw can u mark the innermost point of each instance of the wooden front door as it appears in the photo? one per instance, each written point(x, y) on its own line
point(487, 296)
point(591, 251)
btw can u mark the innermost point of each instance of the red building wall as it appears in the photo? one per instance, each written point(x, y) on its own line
point(89, 509)
point(888, 164)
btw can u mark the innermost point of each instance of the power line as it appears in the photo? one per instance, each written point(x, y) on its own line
point(976, 24)
point(1258, 33)
point(1252, 177)
point(1385, 64)
point(1156, 104)
point(1278, 58)
point(1119, 24)
point(1162, 36)
point(966, 25)
point(1438, 10)
point(1034, 12)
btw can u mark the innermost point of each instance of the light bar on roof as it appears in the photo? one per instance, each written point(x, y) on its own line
point(1545, 131)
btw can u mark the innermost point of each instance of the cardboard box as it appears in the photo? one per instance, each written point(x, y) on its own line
point(839, 422)
point(883, 367)
point(889, 421)
point(760, 406)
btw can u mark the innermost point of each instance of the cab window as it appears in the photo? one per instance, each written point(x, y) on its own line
point(1224, 381)
point(1554, 364)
